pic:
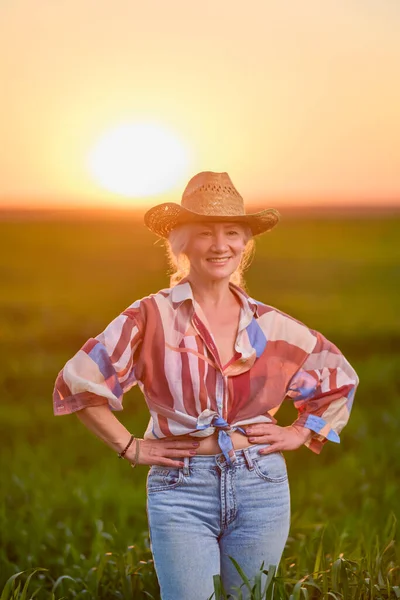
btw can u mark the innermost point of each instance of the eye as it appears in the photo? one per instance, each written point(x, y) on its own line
point(205, 233)
point(233, 232)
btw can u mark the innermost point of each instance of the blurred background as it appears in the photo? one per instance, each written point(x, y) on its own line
point(110, 108)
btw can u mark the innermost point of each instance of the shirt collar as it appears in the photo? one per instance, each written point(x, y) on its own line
point(182, 292)
point(248, 303)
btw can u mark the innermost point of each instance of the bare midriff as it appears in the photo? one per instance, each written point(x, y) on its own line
point(209, 444)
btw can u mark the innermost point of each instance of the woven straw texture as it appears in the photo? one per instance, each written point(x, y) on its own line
point(208, 196)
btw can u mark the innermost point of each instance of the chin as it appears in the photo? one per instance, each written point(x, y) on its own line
point(219, 274)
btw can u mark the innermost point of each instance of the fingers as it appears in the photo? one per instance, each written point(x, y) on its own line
point(167, 462)
point(264, 433)
point(277, 447)
point(261, 440)
point(182, 445)
point(282, 438)
point(180, 453)
point(264, 437)
point(157, 452)
point(258, 429)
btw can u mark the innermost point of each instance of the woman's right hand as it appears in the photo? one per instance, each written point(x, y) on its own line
point(162, 451)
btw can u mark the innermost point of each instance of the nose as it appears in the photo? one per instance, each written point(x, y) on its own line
point(220, 243)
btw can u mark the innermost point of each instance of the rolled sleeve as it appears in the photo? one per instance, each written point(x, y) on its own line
point(323, 392)
point(101, 371)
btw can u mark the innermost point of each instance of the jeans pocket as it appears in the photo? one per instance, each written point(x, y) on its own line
point(271, 467)
point(160, 479)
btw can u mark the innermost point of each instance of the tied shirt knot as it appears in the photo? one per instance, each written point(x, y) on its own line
point(210, 418)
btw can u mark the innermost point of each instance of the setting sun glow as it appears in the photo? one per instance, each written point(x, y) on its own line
point(138, 159)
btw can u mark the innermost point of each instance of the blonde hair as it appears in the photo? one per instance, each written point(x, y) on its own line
point(179, 262)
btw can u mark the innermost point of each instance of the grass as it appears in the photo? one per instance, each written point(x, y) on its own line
point(72, 517)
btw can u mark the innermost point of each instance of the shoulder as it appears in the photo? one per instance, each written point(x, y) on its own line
point(273, 311)
point(142, 308)
point(279, 325)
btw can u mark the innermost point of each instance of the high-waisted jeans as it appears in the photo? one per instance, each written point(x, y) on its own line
point(204, 512)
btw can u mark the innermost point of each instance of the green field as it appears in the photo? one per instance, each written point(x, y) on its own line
point(69, 506)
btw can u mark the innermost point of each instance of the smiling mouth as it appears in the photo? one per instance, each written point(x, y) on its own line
point(218, 260)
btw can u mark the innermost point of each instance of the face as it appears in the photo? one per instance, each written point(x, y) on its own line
point(215, 249)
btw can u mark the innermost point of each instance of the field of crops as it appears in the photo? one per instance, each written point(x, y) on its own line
point(71, 509)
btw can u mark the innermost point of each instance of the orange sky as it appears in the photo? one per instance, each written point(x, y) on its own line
point(297, 101)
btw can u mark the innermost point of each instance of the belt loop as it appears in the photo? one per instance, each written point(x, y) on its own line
point(185, 465)
point(248, 458)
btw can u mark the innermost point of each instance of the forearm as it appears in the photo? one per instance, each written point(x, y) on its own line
point(101, 421)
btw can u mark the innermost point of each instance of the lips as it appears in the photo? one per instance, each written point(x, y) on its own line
point(220, 260)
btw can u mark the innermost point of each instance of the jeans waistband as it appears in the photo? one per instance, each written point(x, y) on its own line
point(244, 456)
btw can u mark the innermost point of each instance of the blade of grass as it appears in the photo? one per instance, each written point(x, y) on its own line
point(9, 585)
point(241, 573)
point(60, 580)
point(336, 569)
point(318, 557)
point(268, 588)
point(28, 579)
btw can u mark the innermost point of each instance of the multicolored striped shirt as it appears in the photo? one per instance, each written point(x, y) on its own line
point(164, 344)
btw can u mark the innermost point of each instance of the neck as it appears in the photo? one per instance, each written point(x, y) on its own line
point(210, 292)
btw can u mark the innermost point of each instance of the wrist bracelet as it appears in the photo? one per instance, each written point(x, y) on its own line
point(135, 460)
point(122, 454)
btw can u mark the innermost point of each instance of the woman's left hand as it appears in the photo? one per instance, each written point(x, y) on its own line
point(280, 438)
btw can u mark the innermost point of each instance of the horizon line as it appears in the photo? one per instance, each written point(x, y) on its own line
point(289, 210)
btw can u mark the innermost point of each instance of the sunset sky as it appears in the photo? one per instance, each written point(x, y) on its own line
point(299, 101)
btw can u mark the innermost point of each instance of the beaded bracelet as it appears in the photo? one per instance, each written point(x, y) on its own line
point(122, 454)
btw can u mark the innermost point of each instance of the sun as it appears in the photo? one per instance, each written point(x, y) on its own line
point(138, 159)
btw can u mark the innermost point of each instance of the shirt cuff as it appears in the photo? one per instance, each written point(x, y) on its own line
point(71, 404)
point(323, 432)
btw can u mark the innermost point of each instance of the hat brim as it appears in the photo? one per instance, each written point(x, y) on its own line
point(163, 218)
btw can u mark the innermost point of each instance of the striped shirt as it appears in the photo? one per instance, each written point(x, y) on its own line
point(164, 344)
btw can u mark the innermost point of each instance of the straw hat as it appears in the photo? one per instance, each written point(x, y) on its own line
point(208, 196)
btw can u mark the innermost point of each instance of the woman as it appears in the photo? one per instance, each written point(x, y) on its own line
point(214, 365)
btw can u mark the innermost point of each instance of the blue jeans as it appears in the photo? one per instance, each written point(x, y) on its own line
point(204, 512)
